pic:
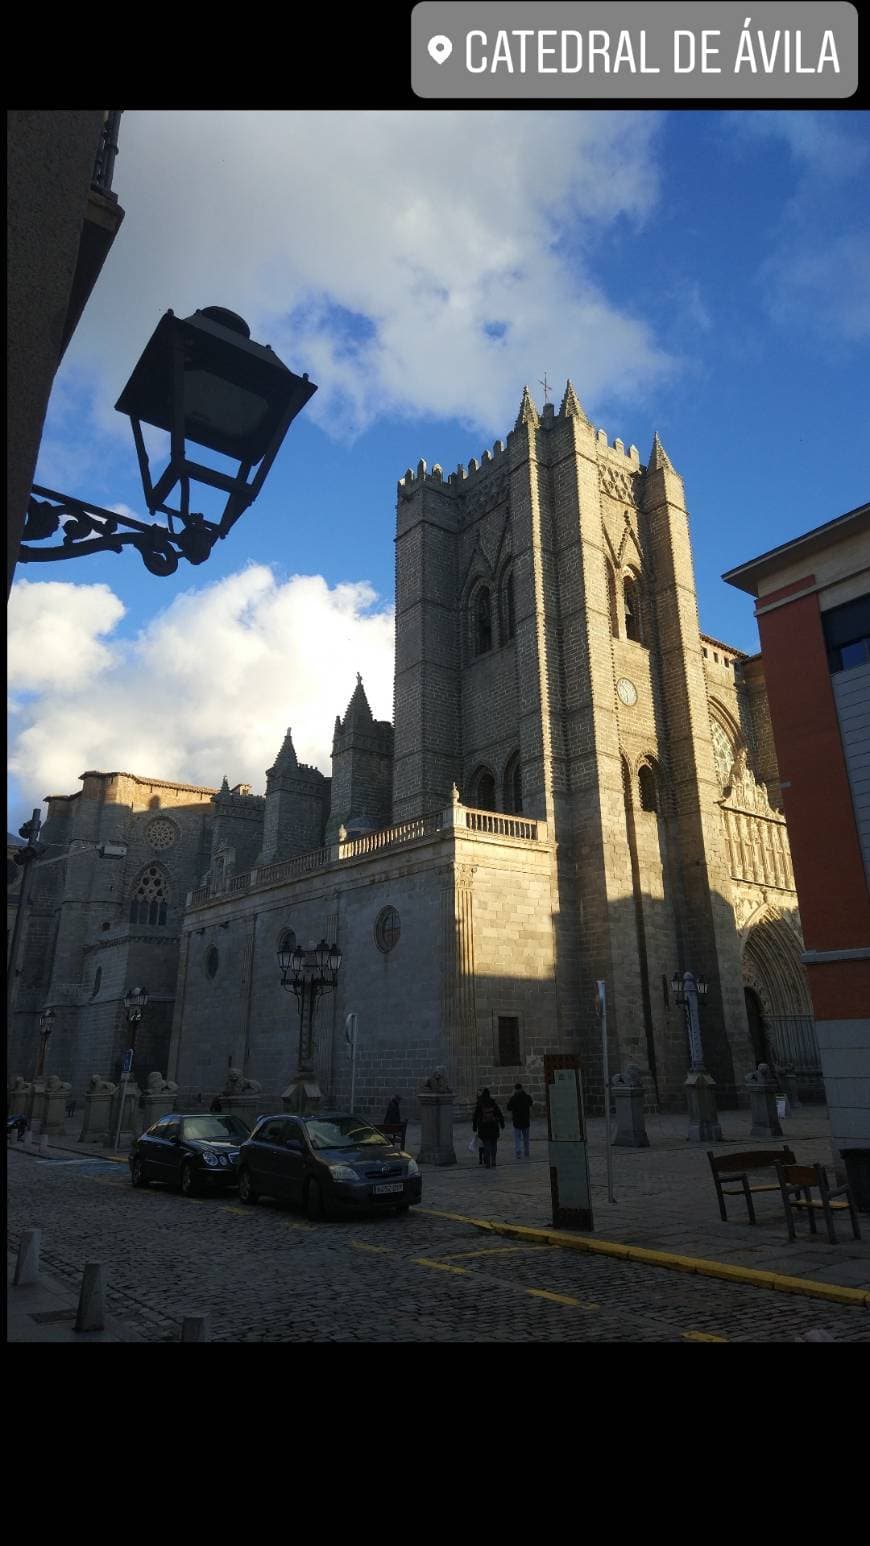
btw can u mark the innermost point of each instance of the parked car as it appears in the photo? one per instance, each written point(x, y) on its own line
point(327, 1162)
point(194, 1152)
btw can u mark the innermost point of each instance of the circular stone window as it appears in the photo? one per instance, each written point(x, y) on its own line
point(387, 929)
point(212, 961)
point(161, 833)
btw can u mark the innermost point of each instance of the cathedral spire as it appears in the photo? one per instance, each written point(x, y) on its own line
point(658, 456)
point(528, 413)
point(572, 408)
point(358, 715)
point(286, 761)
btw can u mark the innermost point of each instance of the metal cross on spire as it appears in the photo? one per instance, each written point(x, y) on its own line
point(546, 385)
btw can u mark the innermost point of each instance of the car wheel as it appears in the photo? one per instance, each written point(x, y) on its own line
point(137, 1174)
point(314, 1204)
point(189, 1185)
point(246, 1187)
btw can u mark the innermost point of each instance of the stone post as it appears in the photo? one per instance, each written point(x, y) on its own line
point(703, 1117)
point(157, 1101)
point(436, 1121)
point(98, 1103)
point(21, 1098)
point(788, 1083)
point(762, 1103)
point(50, 1105)
point(628, 1092)
point(245, 1097)
point(91, 1313)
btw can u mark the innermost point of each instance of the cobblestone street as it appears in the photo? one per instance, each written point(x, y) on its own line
point(265, 1274)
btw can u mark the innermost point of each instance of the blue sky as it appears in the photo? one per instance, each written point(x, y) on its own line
point(704, 274)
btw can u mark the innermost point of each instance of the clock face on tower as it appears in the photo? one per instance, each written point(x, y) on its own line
point(626, 691)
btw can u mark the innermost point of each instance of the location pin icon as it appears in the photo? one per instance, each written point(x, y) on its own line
point(440, 48)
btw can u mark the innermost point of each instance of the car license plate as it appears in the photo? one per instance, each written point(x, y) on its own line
point(389, 1186)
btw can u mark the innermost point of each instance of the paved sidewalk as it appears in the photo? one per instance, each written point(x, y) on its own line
point(46, 1312)
point(665, 1199)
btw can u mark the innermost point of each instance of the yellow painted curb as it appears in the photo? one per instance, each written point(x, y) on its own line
point(699, 1264)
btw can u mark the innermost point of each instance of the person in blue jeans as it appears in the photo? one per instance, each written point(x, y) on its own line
point(520, 1108)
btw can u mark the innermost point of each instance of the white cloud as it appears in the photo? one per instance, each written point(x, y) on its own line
point(54, 637)
point(209, 687)
point(373, 249)
point(821, 142)
point(824, 286)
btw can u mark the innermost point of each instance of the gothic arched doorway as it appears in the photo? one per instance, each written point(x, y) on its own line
point(755, 1016)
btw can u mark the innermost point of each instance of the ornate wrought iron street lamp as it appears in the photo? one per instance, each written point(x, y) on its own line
point(691, 992)
point(203, 379)
point(307, 974)
point(135, 1004)
point(47, 1022)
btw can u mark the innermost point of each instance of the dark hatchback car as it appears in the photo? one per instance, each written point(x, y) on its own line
point(193, 1152)
point(327, 1162)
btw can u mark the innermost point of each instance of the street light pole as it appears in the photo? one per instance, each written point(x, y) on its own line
point(307, 974)
point(46, 1026)
point(691, 991)
point(135, 1004)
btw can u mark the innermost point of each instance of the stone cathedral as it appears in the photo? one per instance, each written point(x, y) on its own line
point(578, 785)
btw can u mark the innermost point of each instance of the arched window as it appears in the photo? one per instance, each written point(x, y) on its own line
point(484, 790)
point(150, 898)
point(482, 621)
point(513, 787)
point(287, 940)
point(649, 795)
point(611, 599)
point(508, 608)
point(631, 602)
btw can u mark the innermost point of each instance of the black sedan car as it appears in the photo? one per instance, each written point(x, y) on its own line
point(327, 1162)
point(193, 1152)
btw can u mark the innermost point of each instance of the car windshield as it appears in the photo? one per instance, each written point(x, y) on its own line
point(215, 1129)
point(342, 1133)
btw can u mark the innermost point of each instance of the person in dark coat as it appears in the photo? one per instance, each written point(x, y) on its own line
point(487, 1122)
point(520, 1107)
point(394, 1115)
point(217, 1104)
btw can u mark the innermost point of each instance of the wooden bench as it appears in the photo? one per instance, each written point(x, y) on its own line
point(797, 1181)
point(736, 1167)
point(395, 1131)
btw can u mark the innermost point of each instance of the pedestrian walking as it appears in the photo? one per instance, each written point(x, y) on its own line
point(520, 1107)
point(394, 1115)
point(217, 1104)
point(487, 1122)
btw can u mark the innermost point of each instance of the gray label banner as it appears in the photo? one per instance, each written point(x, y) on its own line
point(558, 49)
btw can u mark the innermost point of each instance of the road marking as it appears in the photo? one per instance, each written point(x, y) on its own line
point(245, 1213)
point(703, 1266)
point(379, 1250)
point(701, 1336)
point(439, 1266)
point(579, 1304)
point(489, 1250)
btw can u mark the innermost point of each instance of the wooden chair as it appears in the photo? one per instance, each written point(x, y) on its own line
point(735, 1168)
point(796, 1184)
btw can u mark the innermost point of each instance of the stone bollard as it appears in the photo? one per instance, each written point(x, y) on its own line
point(436, 1121)
point(27, 1265)
point(43, 1144)
point(28, 1138)
point(788, 1083)
point(91, 1314)
point(95, 1119)
point(628, 1095)
point(762, 1103)
point(51, 1105)
point(195, 1328)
